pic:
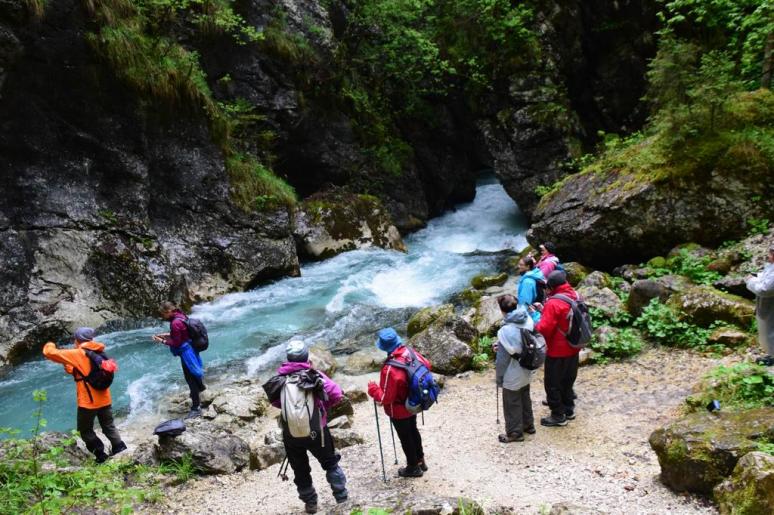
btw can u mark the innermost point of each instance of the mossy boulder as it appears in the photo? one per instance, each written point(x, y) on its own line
point(596, 279)
point(446, 343)
point(467, 297)
point(700, 450)
point(426, 316)
point(657, 262)
point(482, 281)
point(750, 489)
point(575, 272)
point(703, 305)
point(335, 222)
point(488, 317)
point(729, 337)
point(662, 288)
point(603, 299)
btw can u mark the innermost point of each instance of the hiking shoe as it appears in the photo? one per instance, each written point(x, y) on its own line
point(765, 361)
point(202, 387)
point(310, 507)
point(118, 448)
point(342, 500)
point(569, 415)
point(504, 438)
point(530, 430)
point(410, 471)
point(544, 402)
point(553, 421)
point(194, 413)
point(422, 465)
point(101, 457)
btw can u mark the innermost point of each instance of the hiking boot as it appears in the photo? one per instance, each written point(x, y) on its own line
point(765, 361)
point(504, 438)
point(530, 430)
point(310, 507)
point(569, 415)
point(101, 457)
point(194, 413)
point(544, 402)
point(202, 387)
point(118, 448)
point(553, 421)
point(422, 465)
point(410, 471)
point(342, 500)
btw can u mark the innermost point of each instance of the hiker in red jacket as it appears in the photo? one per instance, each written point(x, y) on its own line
point(561, 368)
point(392, 392)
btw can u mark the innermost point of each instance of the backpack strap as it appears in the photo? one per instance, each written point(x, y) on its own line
point(567, 300)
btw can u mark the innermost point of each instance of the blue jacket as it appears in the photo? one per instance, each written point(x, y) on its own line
point(527, 292)
point(190, 358)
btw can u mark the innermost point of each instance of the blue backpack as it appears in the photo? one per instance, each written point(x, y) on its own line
point(423, 390)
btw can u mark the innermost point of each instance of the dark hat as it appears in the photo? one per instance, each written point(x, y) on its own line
point(83, 334)
point(556, 278)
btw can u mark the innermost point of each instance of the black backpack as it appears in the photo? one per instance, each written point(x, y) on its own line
point(98, 378)
point(198, 334)
point(580, 331)
point(533, 350)
point(540, 288)
point(171, 428)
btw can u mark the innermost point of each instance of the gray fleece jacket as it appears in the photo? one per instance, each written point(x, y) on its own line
point(508, 372)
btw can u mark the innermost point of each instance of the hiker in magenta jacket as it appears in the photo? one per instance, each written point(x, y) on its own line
point(561, 367)
point(320, 445)
point(392, 392)
point(547, 262)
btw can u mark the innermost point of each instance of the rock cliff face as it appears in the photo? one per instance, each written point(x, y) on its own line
point(110, 204)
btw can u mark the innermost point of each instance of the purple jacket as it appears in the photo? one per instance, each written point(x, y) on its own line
point(332, 389)
point(178, 331)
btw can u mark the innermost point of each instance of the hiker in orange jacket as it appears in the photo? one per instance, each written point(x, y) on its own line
point(92, 403)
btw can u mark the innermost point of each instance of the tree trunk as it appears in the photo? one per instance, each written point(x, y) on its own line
point(768, 62)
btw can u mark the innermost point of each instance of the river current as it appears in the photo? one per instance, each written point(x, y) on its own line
point(348, 296)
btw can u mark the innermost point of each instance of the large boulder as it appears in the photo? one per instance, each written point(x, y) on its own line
point(70, 455)
point(603, 299)
point(704, 305)
point(212, 449)
point(426, 316)
point(266, 450)
point(750, 489)
point(482, 281)
point(244, 403)
point(611, 216)
point(334, 222)
point(662, 288)
point(446, 343)
point(596, 279)
point(700, 450)
point(575, 272)
point(364, 361)
point(323, 360)
point(488, 317)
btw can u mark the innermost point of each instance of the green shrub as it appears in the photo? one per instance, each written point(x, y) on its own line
point(620, 318)
point(662, 325)
point(743, 385)
point(688, 265)
point(482, 352)
point(620, 344)
point(30, 487)
point(758, 226)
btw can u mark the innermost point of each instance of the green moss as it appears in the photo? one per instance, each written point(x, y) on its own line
point(657, 262)
point(482, 281)
point(255, 187)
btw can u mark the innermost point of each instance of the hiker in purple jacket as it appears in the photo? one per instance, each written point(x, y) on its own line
point(319, 443)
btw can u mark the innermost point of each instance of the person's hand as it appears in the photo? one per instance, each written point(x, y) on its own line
point(159, 338)
point(373, 389)
point(537, 306)
point(495, 345)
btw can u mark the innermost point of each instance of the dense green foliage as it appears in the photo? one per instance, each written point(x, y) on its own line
point(742, 385)
point(663, 325)
point(706, 113)
point(482, 352)
point(37, 480)
point(686, 264)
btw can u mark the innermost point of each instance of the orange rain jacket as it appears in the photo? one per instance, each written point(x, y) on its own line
point(76, 359)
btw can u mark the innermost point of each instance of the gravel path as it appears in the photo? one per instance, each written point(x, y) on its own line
point(601, 460)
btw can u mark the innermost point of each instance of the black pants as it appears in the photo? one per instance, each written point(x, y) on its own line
point(517, 408)
point(195, 385)
point(85, 422)
point(296, 449)
point(559, 379)
point(410, 439)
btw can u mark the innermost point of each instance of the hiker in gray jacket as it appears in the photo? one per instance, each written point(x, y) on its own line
point(517, 404)
point(762, 285)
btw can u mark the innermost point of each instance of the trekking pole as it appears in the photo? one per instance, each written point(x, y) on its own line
point(497, 403)
point(379, 435)
point(392, 433)
point(423, 417)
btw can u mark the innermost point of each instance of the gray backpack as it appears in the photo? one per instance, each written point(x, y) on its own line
point(580, 331)
point(300, 414)
point(533, 350)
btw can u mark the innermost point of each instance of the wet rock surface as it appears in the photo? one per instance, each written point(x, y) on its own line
point(750, 489)
point(446, 344)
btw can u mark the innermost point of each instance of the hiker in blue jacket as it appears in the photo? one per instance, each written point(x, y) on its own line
point(530, 283)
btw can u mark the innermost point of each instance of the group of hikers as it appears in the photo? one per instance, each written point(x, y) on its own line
point(543, 325)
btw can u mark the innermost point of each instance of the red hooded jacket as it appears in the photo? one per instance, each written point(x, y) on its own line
point(553, 322)
point(393, 389)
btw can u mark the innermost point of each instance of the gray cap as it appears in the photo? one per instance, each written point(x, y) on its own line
point(84, 334)
point(556, 278)
point(297, 351)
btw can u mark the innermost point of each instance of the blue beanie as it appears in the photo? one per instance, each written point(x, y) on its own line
point(388, 340)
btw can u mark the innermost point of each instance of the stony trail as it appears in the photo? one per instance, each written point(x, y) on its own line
point(599, 461)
